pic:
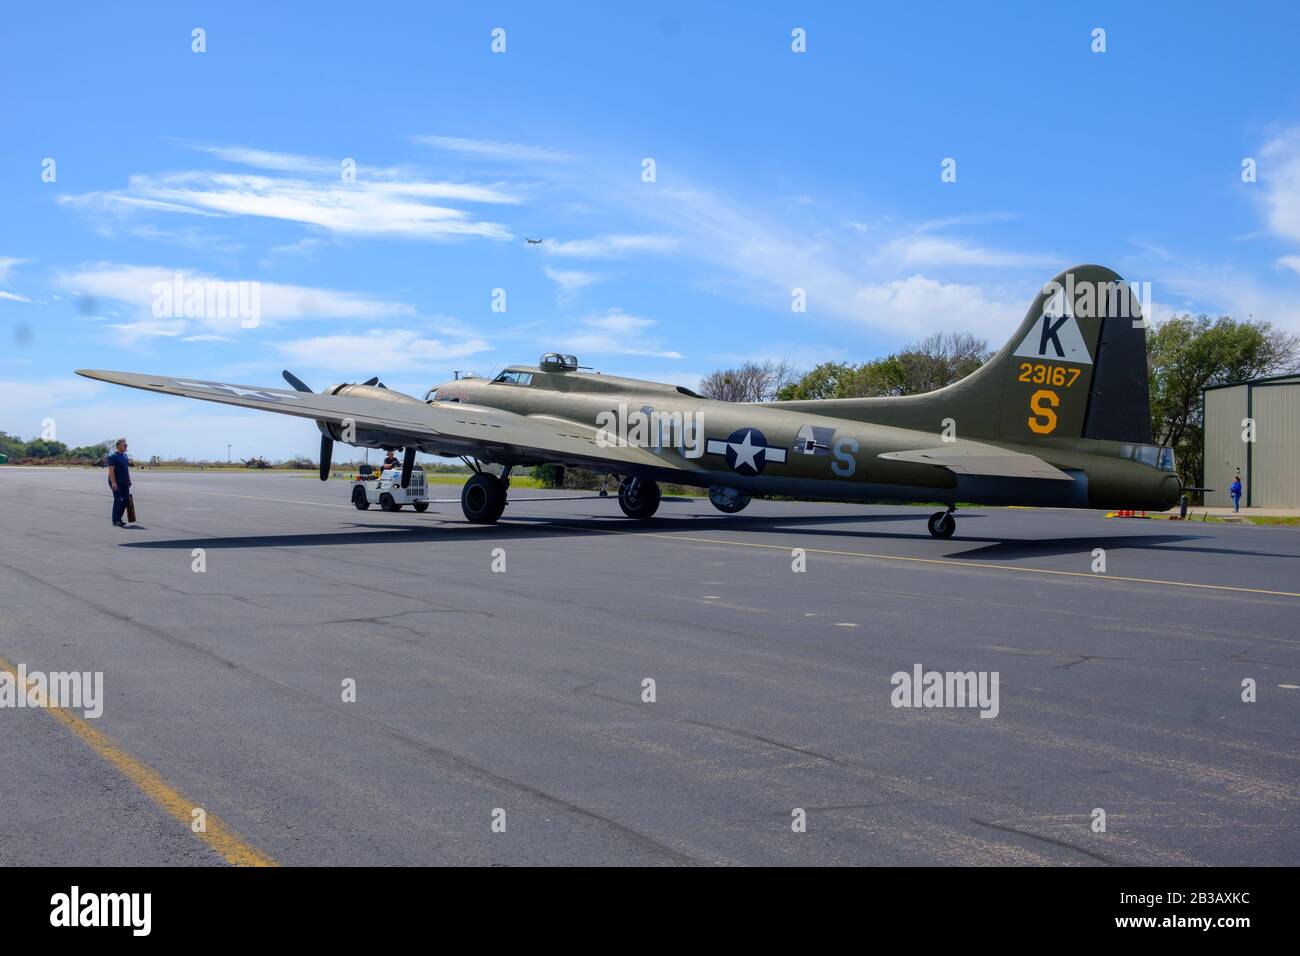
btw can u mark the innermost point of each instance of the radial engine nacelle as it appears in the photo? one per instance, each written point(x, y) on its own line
point(367, 437)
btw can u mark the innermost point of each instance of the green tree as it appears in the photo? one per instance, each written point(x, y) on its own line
point(937, 361)
point(932, 363)
point(91, 453)
point(547, 475)
point(576, 478)
point(40, 448)
point(1186, 355)
point(825, 381)
point(11, 446)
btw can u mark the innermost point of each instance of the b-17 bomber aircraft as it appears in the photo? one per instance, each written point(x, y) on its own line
point(1059, 417)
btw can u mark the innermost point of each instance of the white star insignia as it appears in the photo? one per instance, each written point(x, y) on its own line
point(746, 452)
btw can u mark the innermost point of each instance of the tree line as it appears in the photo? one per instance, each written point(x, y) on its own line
point(14, 448)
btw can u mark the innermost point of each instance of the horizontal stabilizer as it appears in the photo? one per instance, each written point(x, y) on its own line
point(976, 459)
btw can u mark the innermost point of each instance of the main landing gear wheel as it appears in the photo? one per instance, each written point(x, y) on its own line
point(483, 498)
point(359, 498)
point(942, 524)
point(638, 497)
point(728, 500)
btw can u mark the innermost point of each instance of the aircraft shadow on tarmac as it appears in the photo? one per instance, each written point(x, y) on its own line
point(530, 527)
point(1008, 550)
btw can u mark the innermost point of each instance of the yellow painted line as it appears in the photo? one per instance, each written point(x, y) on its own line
point(233, 848)
point(949, 562)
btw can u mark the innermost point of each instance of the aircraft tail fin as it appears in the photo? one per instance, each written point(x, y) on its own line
point(1075, 368)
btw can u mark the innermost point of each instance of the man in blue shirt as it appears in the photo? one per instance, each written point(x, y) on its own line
point(1235, 491)
point(119, 479)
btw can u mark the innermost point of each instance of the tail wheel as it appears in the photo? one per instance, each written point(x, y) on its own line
point(942, 524)
point(728, 500)
point(387, 503)
point(639, 498)
point(483, 498)
point(359, 498)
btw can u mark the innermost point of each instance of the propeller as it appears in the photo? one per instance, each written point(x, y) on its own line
point(295, 381)
point(326, 443)
point(326, 452)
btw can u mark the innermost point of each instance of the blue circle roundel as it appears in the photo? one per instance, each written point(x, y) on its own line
point(747, 451)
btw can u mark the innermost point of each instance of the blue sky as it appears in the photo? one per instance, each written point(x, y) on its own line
point(774, 170)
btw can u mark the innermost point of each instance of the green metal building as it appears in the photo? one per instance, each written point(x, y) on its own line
point(1270, 465)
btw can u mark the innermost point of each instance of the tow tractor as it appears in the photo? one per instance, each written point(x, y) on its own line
point(385, 489)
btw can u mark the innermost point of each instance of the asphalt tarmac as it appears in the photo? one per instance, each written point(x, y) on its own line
point(500, 715)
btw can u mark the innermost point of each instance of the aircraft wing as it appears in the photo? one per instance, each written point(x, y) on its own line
point(442, 428)
point(975, 458)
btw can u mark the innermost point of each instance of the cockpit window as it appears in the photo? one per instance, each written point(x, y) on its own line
point(515, 378)
point(1156, 456)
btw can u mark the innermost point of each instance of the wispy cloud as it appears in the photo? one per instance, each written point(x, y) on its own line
point(617, 333)
point(135, 287)
point(270, 159)
point(767, 258)
point(357, 209)
point(494, 149)
point(968, 219)
point(931, 251)
point(1280, 177)
point(570, 281)
point(608, 247)
point(380, 349)
point(1191, 285)
point(1232, 292)
point(7, 266)
point(378, 203)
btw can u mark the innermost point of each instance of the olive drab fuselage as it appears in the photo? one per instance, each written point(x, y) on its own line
point(823, 456)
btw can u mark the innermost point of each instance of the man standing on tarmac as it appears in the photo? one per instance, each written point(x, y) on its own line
point(119, 479)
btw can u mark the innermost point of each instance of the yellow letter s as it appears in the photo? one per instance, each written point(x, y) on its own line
point(1041, 404)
